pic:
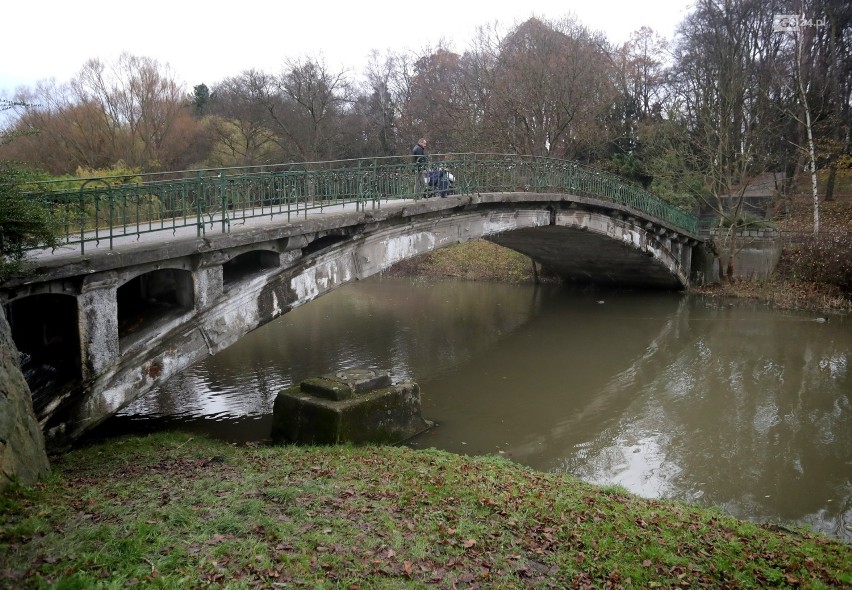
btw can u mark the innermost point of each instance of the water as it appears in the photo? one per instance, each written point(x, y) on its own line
point(718, 403)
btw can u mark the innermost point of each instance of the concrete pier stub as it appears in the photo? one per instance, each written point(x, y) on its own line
point(359, 406)
point(98, 324)
point(686, 256)
point(207, 284)
point(288, 257)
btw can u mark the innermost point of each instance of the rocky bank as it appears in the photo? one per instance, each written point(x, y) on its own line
point(22, 453)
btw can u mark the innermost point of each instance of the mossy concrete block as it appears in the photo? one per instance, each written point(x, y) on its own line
point(344, 384)
point(386, 415)
point(331, 389)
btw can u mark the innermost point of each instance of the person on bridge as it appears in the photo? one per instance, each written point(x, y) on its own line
point(418, 153)
point(419, 159)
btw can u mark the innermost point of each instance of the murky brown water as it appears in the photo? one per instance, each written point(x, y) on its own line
point(729, 404)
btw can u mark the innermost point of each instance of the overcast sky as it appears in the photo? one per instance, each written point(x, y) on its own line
point(207, 41)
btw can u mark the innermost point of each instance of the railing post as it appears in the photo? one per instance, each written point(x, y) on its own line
point(374, 182)
point(199, 193)
point(359, 188)
point(223, 187)
point(82, 221)
point(111, 198)
point(97, 202)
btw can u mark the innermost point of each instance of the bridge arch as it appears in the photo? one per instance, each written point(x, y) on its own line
point(248, 264)
point(147, 301)
point(45, 330)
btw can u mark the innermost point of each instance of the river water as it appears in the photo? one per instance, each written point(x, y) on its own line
point(724, 403)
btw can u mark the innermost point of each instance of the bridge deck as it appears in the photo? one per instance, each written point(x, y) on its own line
point(122, 250)
point(110, 245)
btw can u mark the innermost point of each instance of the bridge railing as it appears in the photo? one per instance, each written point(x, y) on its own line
point(107, 208)
point(512, 173)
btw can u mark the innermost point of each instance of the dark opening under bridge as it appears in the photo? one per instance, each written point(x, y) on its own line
point(155, 274)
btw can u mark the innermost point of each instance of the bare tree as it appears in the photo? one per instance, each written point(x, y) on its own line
point(808, 125)
point(70, 133)
point(819, 81)
point(131, 110)
point(410, 122)
point(304, 105)
point(370, 127)
point(639, 74)
point(835, 43)
point(724, 62)
point(141, 102)
point(434, 105)
point(239, 121)
point(548, 84)
point(644, 58)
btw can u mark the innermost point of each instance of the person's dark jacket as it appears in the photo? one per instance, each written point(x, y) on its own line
point(418, 155)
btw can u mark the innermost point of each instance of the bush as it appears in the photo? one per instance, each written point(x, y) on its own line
point(825, 259)
point(25, 222)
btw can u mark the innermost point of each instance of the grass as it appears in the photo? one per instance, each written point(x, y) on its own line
point(782, 293)
point(478, 260)
point(175, 511)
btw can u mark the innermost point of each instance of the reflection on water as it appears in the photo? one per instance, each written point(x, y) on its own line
point(733, 405)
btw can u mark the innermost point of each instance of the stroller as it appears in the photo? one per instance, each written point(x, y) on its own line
point(439, 182)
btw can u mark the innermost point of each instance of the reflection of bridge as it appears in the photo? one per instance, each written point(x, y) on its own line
point(124, 306)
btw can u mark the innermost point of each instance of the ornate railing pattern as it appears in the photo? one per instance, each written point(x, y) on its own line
point(100, 209)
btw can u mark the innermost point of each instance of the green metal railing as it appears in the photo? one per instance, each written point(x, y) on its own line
point(109, 208)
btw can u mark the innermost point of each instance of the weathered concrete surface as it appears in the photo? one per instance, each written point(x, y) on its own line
point(757, 253)
point(22, 453)
point(593, 248)
point(580, 238)
point(352, 406)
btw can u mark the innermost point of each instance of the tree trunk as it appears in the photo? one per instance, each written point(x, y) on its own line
point(829, 183)
point(809, 128)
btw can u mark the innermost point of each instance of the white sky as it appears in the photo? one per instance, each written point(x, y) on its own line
point(207, 41)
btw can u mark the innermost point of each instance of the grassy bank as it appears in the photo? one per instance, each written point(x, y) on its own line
point(782, 293)
point(175, 511)
point(479, 260)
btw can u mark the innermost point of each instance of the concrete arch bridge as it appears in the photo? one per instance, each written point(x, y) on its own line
point(158, 274)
